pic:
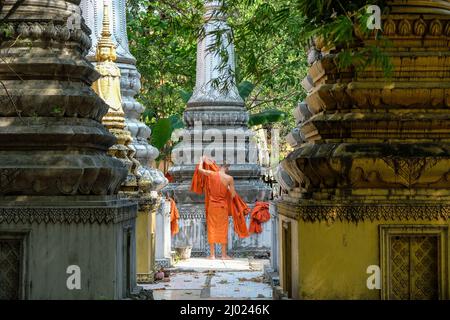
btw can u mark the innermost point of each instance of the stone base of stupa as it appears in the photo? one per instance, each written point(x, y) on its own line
point(45, 240)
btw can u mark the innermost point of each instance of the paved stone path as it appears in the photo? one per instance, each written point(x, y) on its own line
point(203, 279)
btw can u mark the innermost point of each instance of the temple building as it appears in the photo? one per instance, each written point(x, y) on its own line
point(64, 231)
point(148, 180)
point(216, 125)
point(367, 213)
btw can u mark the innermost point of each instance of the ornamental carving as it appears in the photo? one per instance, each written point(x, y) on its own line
point(411, 27)
point(420, 27)
point(48, 31)
point(71, 215)
point(216, 117)
point(404, 27)
point(436, 28)
point(365, 212)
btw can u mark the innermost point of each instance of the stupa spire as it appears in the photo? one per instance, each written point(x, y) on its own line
point(211, 68)
point(106, 50)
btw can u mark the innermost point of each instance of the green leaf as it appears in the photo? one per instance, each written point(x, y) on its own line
point(161, 133)
point(185, 95)
point(148, 115)
point(163, 128)
point(265, 117)
point(245, 89)
point(176, 122)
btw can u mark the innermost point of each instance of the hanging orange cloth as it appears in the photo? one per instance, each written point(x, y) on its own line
point(168, 177)
point(174, 216)
point(215, 197)
point(259, 215)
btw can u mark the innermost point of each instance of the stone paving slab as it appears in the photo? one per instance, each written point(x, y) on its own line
point(240, 285)
point(187, 281)
point(180, 294)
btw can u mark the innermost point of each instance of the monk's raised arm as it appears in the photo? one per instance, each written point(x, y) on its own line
point(203, 171)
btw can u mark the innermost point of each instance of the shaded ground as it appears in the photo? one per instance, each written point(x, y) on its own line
point(200, 278)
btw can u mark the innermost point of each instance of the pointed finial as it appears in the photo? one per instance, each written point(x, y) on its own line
point(106, 50)
point(209, 65)
point(105, 30)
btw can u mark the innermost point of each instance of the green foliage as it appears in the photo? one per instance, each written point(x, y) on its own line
point(163, 38)
point(185, 95)
point(270, 38)
point(162, 130)
point(176, 122)
point(245, 89)
point(267, 117)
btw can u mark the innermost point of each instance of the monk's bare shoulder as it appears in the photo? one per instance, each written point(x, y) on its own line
point(229, 179)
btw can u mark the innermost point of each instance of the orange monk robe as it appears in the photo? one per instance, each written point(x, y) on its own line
point(218, 200)
point(174, 216)
point(260, 214)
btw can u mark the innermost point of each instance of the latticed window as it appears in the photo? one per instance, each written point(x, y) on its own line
point(10, 268)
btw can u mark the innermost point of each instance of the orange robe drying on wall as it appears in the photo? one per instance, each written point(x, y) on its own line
point(219, 205)
point(174, 216)
point(260, 214)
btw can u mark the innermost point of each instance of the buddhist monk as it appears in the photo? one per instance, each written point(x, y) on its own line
point(219, 183)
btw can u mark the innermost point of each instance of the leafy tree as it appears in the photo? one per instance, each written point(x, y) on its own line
point(270, 38)
point(163, 37)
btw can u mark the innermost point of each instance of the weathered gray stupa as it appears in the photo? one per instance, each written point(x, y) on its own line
point(149, 180)
point(216, 122)
point(64, 232)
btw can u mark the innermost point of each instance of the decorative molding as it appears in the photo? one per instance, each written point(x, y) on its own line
point(316, 167)
point(415, 27)
point(47, 31)
point(364, 212)
point(215, 117)
point(197, 212)
point(67, 215)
